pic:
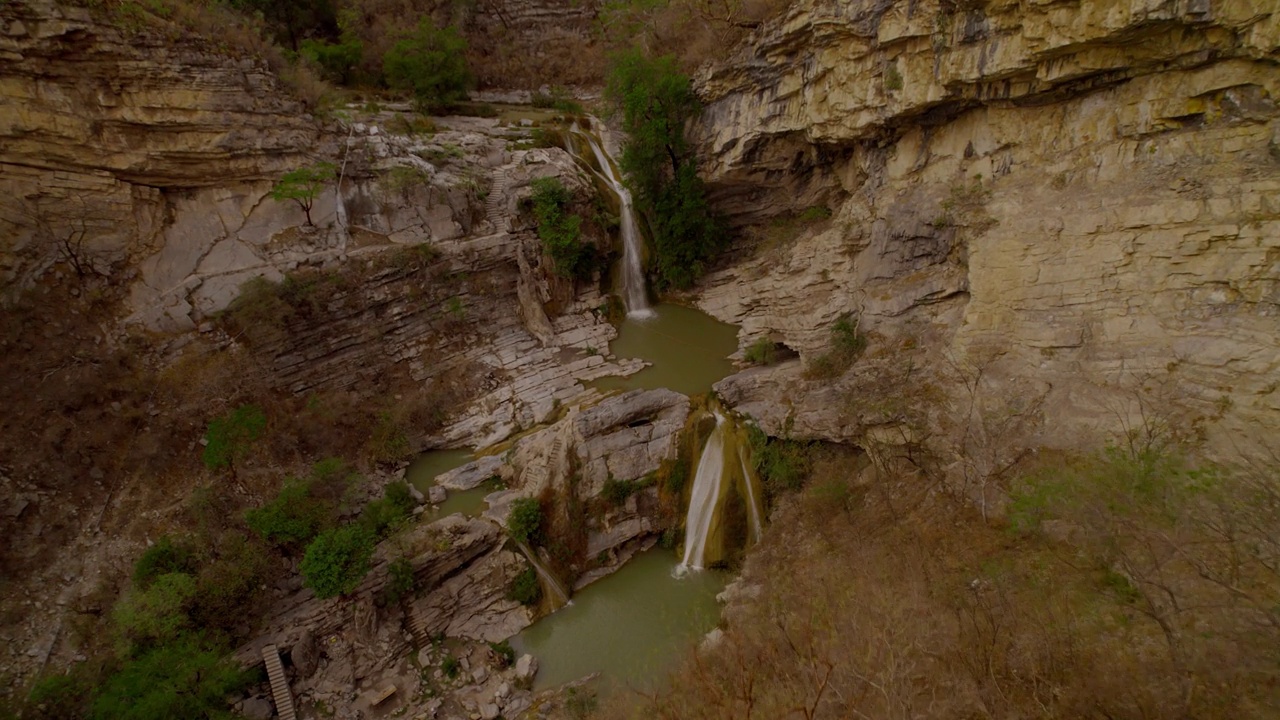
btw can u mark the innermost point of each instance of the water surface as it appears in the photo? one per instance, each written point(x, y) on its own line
point(630, 626)
point(689, 350)
point(422, 473)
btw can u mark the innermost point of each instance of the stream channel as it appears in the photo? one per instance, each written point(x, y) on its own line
point(634, 625)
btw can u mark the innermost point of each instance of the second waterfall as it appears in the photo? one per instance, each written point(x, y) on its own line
point(724, 502)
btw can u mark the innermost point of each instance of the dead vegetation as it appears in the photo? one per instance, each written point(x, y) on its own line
point(1118, 585)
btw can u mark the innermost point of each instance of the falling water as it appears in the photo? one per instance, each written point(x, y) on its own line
point(634, 293)
point(704, 498)
point(752, 486)
point(559, 597)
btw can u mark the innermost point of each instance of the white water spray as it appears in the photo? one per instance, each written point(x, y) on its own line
point(634, 293)
point(703, 499)
point(749, 484)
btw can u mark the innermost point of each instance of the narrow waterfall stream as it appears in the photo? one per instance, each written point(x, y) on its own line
point(634, 293)
point(551, 585)
point(752, 484)
point(707, 483)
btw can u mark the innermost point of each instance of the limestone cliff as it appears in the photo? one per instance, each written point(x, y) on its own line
point(104, 128)
point(1055, 201)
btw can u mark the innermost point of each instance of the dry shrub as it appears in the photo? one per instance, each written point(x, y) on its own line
point(1145, 588)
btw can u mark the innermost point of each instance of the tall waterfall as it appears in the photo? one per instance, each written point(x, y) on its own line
point(634, 294)
point(705, 495)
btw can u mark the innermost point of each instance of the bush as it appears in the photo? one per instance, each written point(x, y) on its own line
point(337, 61)
point(162, 558)
point(337, 560)
point(451, 666)
point(781, 464)
point(228, 438)
point(617, 491)
point(401, 582)
point(183, 679)
point(525, 588)
point(383, 516)
point(560, 230)
point(292, 519)
point(524, 523)
point(506, 654)
point(228, 587)
point(156, 615)
point(761, 352)
point(431, 64)
point(847, 345)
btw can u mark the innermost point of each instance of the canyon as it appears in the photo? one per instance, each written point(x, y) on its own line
point(1047, 224)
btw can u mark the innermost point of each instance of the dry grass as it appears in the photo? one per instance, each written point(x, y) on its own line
point(883, 598)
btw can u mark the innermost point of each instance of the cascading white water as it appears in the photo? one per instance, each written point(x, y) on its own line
point(703, 499)
point(559, 598)
point(634, 293)
point(749, 483)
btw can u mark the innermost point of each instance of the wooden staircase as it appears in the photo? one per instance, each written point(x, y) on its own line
point(279, 684)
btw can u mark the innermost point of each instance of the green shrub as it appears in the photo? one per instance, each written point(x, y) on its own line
point(617, 491)
point(229, 437)
point(525, 588)
point(580, 702)
point(156, 615)
point(781, 464)
point(761, 352)
point(182, 679)
point(847, 345)
point(337, 560)
point(292, 518)
point(337, 61)
point(162, 558)
point(451, 666)
point(892, 78)
point(561, 230)
point(401, 580)
point(524, 523)
point(431, 63)
point(384, 515)
point(228, 586)
point(506, 654)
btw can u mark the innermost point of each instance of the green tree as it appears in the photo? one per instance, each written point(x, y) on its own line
point(524, 522)
point(337, 560)
point(165, 556)
point(293, 518)
point(229, 437)
point(657, 101)
point(431, 63)
point(304, 184)
point(559, 229)
point(158, 614)
point(182, 679)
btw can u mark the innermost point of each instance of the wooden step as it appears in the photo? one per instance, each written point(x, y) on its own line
point(279, 683)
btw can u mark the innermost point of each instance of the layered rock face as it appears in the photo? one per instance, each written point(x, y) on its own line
point(1069, 201)
point(102, 128)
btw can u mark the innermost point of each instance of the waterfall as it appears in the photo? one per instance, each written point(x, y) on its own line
point(634, 294)
point(550, 583)
point(752, 486)
point(704, 498)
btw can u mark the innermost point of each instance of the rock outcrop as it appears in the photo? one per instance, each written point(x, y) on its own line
point(1070, 201)
point(104, 129)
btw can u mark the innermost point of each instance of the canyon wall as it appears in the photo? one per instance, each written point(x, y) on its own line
point(1067, 211)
